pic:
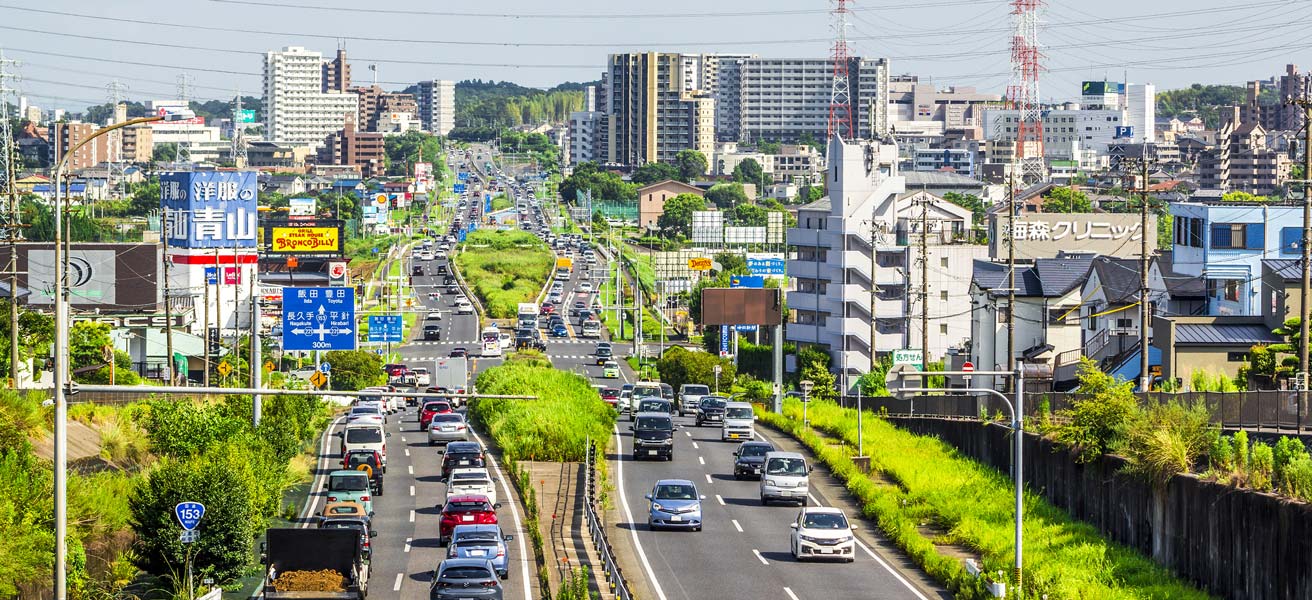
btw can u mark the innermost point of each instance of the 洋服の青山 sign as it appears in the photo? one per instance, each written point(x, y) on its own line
point(309, 240)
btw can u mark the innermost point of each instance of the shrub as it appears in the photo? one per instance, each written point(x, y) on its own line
point(1241, 451)
point(504, 268)
point(1222, 456)
point(1289, 456)
point(354, 369)
point(679, 366)
point(1166, 439)
point(1259, 474)
point(1099, 420)
point(555, 426)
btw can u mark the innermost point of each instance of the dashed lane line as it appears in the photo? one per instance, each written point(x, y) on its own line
point(760, 558)
point(736, 525)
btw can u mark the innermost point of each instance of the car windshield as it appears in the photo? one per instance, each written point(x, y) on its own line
point(676, 491)
point(477, 536)
point(696, 390)
point(447, 418)
point(754, 450)
point(470, 572)
point(712, 403)
point(348, 483)
point(365, 410)
point(437, 406)
point(824, 521)
point(475, 543)
point(786, 466)
point(653, 424)
point(364, 435)
point(467, 506)
point(738, 412)
point(647, 405)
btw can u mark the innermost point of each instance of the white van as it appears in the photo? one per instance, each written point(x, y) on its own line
point(591, 329)
point(784, 477)
point(365, 437)
point(739, 422)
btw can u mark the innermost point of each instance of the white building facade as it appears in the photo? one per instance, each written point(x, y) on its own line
point(787, 99)
point(297, 111)
point(437, 105)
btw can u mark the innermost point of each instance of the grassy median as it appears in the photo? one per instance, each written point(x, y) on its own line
point(972, 503)
point(555, 426)
point(504, 268)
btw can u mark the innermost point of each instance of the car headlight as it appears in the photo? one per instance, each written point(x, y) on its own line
point(769, 481)
point(657, 506)
point(668, 442)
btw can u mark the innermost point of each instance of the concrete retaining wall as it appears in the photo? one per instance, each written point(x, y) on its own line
point(1234, 543)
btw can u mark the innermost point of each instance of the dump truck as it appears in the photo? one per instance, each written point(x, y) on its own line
point(314, 564)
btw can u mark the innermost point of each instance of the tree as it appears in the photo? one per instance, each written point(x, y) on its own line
point(726, 195)
point(676, 218)
point(355, 369)
point(750, 215)
point(679, 366)
point(403, 150)
point(1238, 196)
point(86, 344)
point(691, 164)
point(814, 364)
point(1067, 200)
point(653, 172)
point(769, 147)
point(164, 152)
point(748, 171)
point(968, 201)
point(604, 185)
point(145, 198)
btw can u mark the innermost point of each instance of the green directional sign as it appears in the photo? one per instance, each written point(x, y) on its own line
point(914, 358)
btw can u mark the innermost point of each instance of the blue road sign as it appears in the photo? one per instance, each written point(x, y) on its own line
point(747, 281)
point(462, 176)
point(325, 367)
point(724, 340)
point(1123, 132)
point(745, 328)
point(461, 235)
point(189, 514)
point(385, 328)
point(318, 318)
point(457, 188)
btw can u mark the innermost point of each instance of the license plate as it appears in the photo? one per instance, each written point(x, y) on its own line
point(467, 518)
point(676, 518)
point(651, 453)
point(756, 471)
point(478, 553)
point(464, 462)
point(825, 550)
point(734, 436)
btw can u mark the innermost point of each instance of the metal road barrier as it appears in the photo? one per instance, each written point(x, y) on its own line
point(597, 531)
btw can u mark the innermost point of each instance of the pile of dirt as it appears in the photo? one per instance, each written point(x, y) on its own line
point(326, 580)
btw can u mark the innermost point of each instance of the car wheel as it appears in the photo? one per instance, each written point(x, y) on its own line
point(792, 547)
point(697, 528)
point(432, 443)
point(803, 502)
point(380, 490)
point(764, 502)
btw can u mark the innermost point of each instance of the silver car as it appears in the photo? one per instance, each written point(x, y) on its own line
point(481, 541)
point(675, 503)
point(448, 427)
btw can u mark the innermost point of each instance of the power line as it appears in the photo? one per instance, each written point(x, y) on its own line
point(591, 16)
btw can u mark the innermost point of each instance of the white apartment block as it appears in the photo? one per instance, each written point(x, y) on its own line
point(863, 241)
point(1066, 131)
point(437, 105)
point(784, 99)
point(297, 111)
point(587, 137)
point(792, 164)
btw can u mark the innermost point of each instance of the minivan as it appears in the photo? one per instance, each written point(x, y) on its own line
point(653, 436)
point(784, 477)
point(365, 437)
point(739, 422)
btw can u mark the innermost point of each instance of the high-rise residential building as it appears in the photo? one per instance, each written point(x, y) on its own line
point(651, 113)
point(436, 101)
point(587, 137)
point(297, 110)
point(375, 102)
point(337, 73)
point(351, 147)
point(66, 135)
point(954, 107)
point(787, 99)
point(138, 144)
point(1141, 112)
point(1241, 160)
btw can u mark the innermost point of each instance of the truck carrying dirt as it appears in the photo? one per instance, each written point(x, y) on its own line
point(314, 564)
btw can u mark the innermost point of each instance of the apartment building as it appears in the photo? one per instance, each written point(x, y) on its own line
point(138, 144)
point(787, 99)
point(651, 113)
point(297, 109)
point(1242, 160)
point(436, 102)
point(64, 136)
point(910, 100)
point(587, 137)
point(374, 102)
point(337, 73)
point(793, 163)
point(865, 236)
point(365, 150)
point(1067, 131)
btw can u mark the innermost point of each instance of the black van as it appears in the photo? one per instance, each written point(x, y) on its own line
point(653, 436)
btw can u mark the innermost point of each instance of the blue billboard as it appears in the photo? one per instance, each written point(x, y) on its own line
point(747, 281)
point(210, 209)
point(763, 264)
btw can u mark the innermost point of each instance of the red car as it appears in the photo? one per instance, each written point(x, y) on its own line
point(465, 510)
point(395, 370)
point(432, 407)
point(611, 396)
point(548, 308)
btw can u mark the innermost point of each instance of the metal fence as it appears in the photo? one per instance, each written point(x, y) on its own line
point(610, 569)
point(1276, 410)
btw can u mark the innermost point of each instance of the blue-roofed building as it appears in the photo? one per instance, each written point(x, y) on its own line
point(1215, 345)
point(347, 186)
point(1224, 244)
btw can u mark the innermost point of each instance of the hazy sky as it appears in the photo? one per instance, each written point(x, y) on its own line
point(1171, 43)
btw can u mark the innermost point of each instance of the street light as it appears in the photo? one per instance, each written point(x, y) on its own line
point(895, 386)
point(61, 349)
point(806, 385)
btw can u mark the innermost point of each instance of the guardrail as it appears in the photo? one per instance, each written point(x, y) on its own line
point(610, 569)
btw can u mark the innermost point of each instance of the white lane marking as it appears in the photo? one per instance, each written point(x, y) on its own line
point(759, 557)
point(514, 514)
point(736, 525)
point(407, 544)
point(396, 587)
point(871, 554)
point(403, 438)
point(688, 433)
point(407, 452)
point(790, 594)
point(719, 499)
point(708, 478)
point(410, 469)
point(628, 514)
point(316, 484)
point(701, 461)
point(412, 516)
point(695, 446)
point(412, 490)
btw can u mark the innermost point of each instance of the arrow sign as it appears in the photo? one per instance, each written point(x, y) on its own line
point(325, 367)
point(318, 379)
point(189, 514)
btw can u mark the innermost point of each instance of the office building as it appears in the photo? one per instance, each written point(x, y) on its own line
point(651, 113)
point(910, 100)
point(297, 110)
point(436, 102)
point(365, 150)
point(787, 99)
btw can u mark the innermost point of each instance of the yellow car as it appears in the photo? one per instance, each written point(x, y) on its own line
point(610, 369)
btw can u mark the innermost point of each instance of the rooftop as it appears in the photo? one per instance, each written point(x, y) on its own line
point(1046, 277)
point(1224, 333)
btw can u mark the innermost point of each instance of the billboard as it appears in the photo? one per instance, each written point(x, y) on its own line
point(209, 209)
point(741, 306)
point(165, 111)
point(246, 115)
point(1100, 88)
point(108, 277)
point(766, 263)
point(707, 227)
point(302, 207)
point(1043, 235)
point(305, 236)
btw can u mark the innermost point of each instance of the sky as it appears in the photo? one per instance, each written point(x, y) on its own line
point(73, 51)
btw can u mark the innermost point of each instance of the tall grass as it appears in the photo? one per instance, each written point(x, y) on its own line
point(973, 503)
point(504, 269)
point(555, 426)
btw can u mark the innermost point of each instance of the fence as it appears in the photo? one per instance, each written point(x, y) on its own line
point(1276, 410)
point(610, 569)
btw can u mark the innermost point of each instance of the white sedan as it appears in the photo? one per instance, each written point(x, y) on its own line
point(463, 307)
point(822, 532)
point(471, 481)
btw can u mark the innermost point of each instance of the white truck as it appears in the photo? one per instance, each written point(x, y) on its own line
point(528, 315)
point(451, 374)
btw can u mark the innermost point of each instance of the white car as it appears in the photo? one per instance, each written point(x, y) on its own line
point(422, 376)
point(585, 287)
point(463, 307)
point(366, 413)
point(822, 532)
point(471, 481)
point(389, 404)
point(506, 340)
point(433, 316)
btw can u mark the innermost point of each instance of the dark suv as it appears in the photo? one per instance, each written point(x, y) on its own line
point(710, 410)
point(748, 459)
point(432, 331)
point(462, 455)
point(653, 436)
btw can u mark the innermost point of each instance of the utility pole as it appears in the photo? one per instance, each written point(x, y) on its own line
point(168, 300)
point(12, 229)
point(1305, 102)
point(924, 285)
point(1145, 378)
point(1011, 273)
point(874, 270)
point(205, 282)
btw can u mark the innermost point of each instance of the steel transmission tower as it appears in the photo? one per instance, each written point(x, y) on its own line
point(840, 94)
point(183, 151)
point(7, 168)
point(238, 133)
point(116, 91)
point(1023, 91)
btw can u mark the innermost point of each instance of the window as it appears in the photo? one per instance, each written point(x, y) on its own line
point(1003, 311)
point(1196, 233)
point(1291, 240)
point(943, 262)
point(943, 329)
point(943, 295)
point(1238, 236)
point(1230, 289)
point(1236, 356)
point(1092, 323)
point(1061, 315)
